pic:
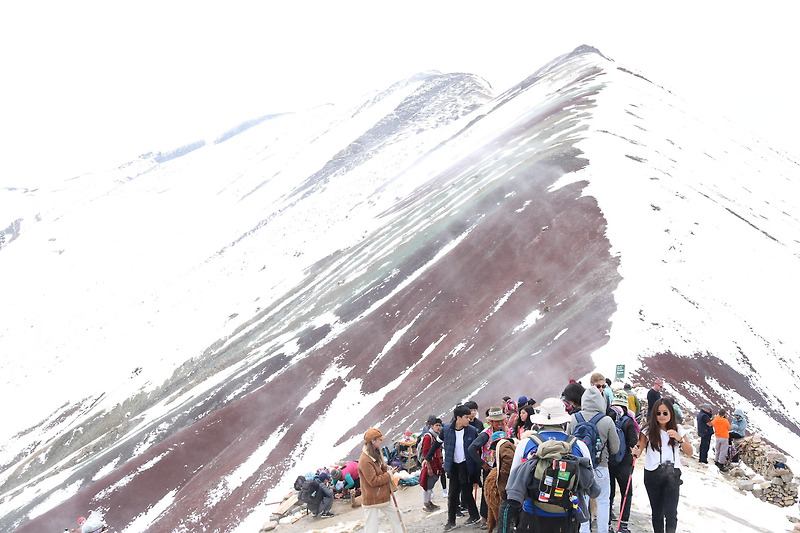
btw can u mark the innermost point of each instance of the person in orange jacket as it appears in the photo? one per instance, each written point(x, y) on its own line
point(721, 429)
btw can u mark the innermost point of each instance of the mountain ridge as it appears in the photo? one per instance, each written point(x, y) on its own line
point(483, 254)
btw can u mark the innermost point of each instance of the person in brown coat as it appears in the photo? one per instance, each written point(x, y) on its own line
point(376, 484)
point(495, 482)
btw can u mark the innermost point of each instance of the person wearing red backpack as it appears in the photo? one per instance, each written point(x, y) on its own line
point(433, 469)
point(593, 403)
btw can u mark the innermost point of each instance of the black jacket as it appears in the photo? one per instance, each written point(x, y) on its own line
point(703, 428)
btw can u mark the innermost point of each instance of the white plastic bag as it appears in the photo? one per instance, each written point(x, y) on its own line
point(93, 523)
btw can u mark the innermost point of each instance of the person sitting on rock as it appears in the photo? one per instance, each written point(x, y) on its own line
point(738, 425)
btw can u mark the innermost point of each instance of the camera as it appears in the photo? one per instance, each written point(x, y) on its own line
point(669, 469)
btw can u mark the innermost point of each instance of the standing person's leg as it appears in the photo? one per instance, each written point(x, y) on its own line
point(625, 482)
point(603, 479)
point(655, 494)
point(672, 493)
point(394, 519)
point(466, 494)
point(722, 450)
point(453, 495)
point(613, 472)
point(705, 444)
point(484, 509)
point(371, 519)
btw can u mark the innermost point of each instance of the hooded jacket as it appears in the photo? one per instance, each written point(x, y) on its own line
point(593, 402)
point(375, 478)
point(738, 422)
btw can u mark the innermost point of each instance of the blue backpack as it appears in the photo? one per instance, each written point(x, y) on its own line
point(623, 443)
point(586, 430)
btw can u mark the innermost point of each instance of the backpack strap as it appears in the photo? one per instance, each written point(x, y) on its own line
point(537, 439)
point(596, 418)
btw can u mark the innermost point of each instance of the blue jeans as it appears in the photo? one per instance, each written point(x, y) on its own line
point(603, 480)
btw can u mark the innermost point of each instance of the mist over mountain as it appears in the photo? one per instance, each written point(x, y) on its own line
point(189, 331)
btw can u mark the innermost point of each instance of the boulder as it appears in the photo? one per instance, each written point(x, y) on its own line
point(268, 526)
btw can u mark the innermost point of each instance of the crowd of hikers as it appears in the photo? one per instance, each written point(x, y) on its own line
point(539, 468)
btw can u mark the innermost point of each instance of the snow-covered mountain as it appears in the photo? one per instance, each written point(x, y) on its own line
point(186, 333)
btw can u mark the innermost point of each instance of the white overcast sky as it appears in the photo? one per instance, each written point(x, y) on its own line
point(90, 85)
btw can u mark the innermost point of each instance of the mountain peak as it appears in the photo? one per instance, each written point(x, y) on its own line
point(254, 305)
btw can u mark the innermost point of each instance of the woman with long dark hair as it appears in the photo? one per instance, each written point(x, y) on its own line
point(664, 439)
point(523, 422)
point(376, 484)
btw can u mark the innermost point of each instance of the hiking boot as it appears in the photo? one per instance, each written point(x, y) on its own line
point(472, 520)
point(432, 506)
point(326, 514)
point(427, 509)
point(450, 525)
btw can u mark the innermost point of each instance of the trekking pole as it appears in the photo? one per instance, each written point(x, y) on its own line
point(397, 508)
point(627, 490)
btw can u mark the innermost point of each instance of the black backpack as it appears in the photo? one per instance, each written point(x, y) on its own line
point(310, 493)
point(554, 482)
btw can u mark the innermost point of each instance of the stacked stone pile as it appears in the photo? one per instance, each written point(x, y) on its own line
point(773, 481)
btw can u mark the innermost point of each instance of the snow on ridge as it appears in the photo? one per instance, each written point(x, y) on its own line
point(274, 247)
point(688, 281)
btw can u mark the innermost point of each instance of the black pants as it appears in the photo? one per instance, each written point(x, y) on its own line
point(460, 485)
point(547, 524)
point(663, 501)
point(621, 473)
point(484, 508)
point(705, 444)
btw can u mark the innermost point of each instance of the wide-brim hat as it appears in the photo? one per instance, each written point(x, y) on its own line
point(495, 413)
point(551, 413)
